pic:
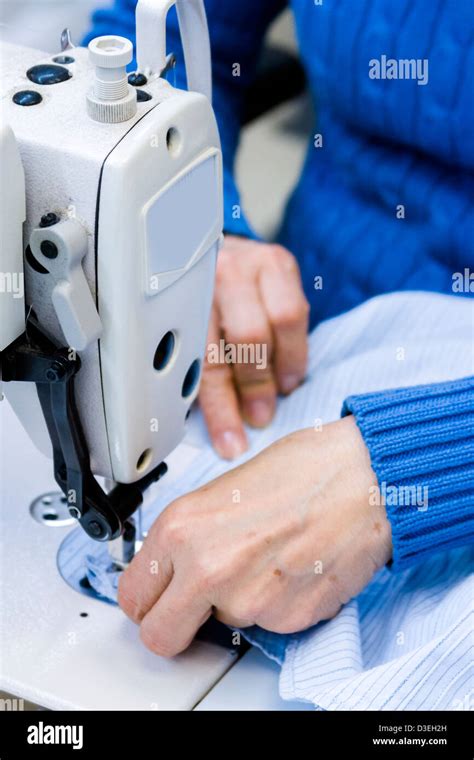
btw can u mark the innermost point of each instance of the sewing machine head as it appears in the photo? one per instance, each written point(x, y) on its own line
point(112, 211)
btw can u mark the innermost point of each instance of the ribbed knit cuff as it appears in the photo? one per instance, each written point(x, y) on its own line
point(421, 444)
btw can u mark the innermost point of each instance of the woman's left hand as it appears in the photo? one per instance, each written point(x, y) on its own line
point(283, 541)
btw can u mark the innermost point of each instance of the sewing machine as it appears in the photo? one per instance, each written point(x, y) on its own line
point(111, 218)
point(120, 178)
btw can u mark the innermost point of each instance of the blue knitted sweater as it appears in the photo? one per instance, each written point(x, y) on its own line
point(385, 202)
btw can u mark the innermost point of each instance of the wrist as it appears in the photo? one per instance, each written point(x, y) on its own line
point(356, 482)
point(371, 502)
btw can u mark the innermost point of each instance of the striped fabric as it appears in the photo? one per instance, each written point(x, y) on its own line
point(406, 641)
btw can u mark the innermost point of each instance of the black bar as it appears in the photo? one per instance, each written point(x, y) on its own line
point(223, 734)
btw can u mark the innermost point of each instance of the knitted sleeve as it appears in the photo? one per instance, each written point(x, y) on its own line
point(421, 445)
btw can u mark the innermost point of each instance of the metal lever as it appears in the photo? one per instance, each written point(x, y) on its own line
point(151, 40)
point(35, 358)
point(66, 42)
point(60, 248)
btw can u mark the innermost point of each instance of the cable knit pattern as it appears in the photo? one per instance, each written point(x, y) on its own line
point(421, 444)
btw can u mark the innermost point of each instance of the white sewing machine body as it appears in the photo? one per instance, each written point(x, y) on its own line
point(151, 211)
point(144, 196)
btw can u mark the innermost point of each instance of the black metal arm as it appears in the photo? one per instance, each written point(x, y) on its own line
point(33, 357)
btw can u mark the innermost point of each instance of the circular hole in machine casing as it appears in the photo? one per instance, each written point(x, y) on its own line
point(144, 460)
point(173, 141)
point(164, 351)
point(191, 379)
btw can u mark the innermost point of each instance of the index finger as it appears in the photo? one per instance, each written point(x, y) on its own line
point(288, 311)
point(219, 402)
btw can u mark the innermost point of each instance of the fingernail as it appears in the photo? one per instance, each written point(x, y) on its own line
point(289, 382)
point(259, 412)
point(230, 444)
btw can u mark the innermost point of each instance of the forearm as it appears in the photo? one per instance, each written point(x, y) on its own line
point(421, 444)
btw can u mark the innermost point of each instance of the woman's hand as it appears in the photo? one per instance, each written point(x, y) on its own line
point(282, 541)
point(259, 305)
